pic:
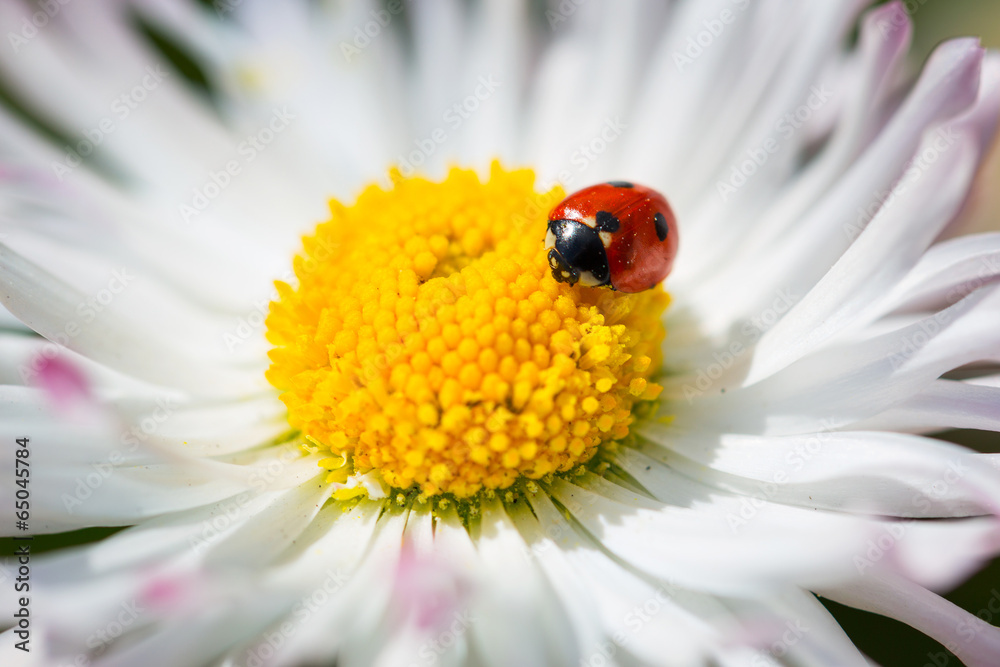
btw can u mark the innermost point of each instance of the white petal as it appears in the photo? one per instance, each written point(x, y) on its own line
point(116, 338)
point(871, 473)
point(887, 248)
point(947, 272)
point(693, 547)
point(945, 404)
point(976, 643)
point(844, 383)
point(948, 86)
point(531, 611)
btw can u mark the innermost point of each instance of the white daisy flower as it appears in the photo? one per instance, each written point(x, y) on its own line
point(438, 454)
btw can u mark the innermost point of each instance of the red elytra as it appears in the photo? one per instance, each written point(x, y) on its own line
point(618, 233)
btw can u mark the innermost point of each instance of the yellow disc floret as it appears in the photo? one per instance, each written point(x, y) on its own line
point(427, 340)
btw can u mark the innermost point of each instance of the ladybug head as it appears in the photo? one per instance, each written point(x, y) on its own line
point(576, 254)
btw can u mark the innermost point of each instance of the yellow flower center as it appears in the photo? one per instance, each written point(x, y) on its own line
point(427, 340)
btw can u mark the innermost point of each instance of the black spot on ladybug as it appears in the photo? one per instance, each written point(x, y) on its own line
point(661, 226)
point(620, 184)
point(606, 222)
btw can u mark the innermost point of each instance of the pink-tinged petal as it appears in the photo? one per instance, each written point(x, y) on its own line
point(163, 592)
point(945, 404)
point(949, 86)
point(66, 387)
point(893, 242)
point(947, 272)
point(173, 592)
point(63, 383)
point(886, 250)
point(428, 590)
point(942, 554)
point(974, 641)
point(869, 85)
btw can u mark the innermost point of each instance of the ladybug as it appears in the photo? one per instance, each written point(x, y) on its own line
point(617, 233)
